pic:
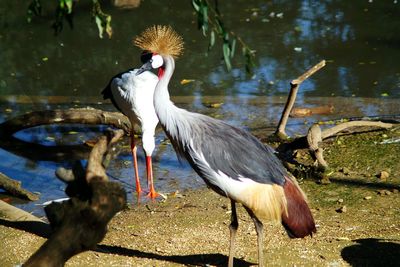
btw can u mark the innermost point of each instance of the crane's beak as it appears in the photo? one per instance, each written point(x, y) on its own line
point(144, 67)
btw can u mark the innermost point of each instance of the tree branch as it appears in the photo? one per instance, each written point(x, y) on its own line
point(73, 116)
point(294, 87)
point(315, 136)
point(14, 188)
point(81, 222)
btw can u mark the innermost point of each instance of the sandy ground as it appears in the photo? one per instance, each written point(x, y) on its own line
point(191, 229)
point(357, 217)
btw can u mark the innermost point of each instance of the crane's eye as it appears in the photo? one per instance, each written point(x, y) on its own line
point(146, 56)
point(156, 61)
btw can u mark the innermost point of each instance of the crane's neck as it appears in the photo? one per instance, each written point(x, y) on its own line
point(162, 102)
point(161, 95)
point(175, 121)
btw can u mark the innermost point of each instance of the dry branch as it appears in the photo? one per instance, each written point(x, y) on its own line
point(315, 136)
point(343, 126)
point(81, 222)
point(88, 116)
point(294, 87)
point(14, 188)
point(12, 213)
point(313, 139)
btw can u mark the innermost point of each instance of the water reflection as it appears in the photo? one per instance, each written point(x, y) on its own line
point(359, 39)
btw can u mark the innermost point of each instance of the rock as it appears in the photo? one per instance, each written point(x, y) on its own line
point(395, 191)
point(383, 175)
point(367, 197)
point(324, 180)
point(384, 192)
point(345, 170)
point(342, 209)
point(340, 200)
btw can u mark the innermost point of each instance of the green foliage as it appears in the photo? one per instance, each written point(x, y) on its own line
point(103, 21)
point(65, 11)
point(34, 9)
point(229, 38)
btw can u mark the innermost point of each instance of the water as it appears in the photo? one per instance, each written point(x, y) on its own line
point(39, 71)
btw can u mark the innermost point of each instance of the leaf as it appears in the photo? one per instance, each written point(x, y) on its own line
point(102, 20)
point(226, 51)
point(186, 81)
point(68, 4)
point(212, 40)
point(220, 27)
point(100, 27)
point(204, 17)
point(34, 9)
point(233, 46)
point(195, 5)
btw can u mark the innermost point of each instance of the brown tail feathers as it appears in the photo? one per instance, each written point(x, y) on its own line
point(298, 220)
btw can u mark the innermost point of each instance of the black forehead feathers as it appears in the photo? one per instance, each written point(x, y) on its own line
point(146, 56)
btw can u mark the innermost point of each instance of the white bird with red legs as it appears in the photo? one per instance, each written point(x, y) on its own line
point(231, 161)
point(132, 94)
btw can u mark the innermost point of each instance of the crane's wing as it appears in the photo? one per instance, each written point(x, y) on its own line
point(236, 152)
point(107, 92)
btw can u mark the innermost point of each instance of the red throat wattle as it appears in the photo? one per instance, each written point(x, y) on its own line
point(161, 71)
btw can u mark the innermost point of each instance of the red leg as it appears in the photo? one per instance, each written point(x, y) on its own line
point(135, 164)
point(152, 193)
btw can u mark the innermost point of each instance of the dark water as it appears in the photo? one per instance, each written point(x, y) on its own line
point(359, 40)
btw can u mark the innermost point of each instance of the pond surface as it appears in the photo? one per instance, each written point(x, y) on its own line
point(359, 40)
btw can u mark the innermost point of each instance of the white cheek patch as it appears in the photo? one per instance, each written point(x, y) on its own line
point(157, 61)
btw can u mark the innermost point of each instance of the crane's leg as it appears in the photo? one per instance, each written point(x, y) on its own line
point(152, 193)
point(233, 229)
point(259, 230)
point(135, 164)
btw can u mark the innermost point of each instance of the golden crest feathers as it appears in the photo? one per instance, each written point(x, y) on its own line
point(160, 39)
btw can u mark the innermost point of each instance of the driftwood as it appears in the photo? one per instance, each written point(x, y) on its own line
point(81, 222)
point(14, 188)
point(87, 116)
point(14, 214)
point(304, 112)
point(294, 87)
point(315, 136)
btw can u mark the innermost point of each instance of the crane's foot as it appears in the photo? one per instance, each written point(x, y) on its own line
point(153, 194)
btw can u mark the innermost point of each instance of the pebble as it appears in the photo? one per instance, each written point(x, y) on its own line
point(384, 192)
point(342, 209)
point(383, 175)
point(367, 197)
point(345, 170)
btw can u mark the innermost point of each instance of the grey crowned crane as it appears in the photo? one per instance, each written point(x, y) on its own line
point(231, 161)
point(132, 94)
